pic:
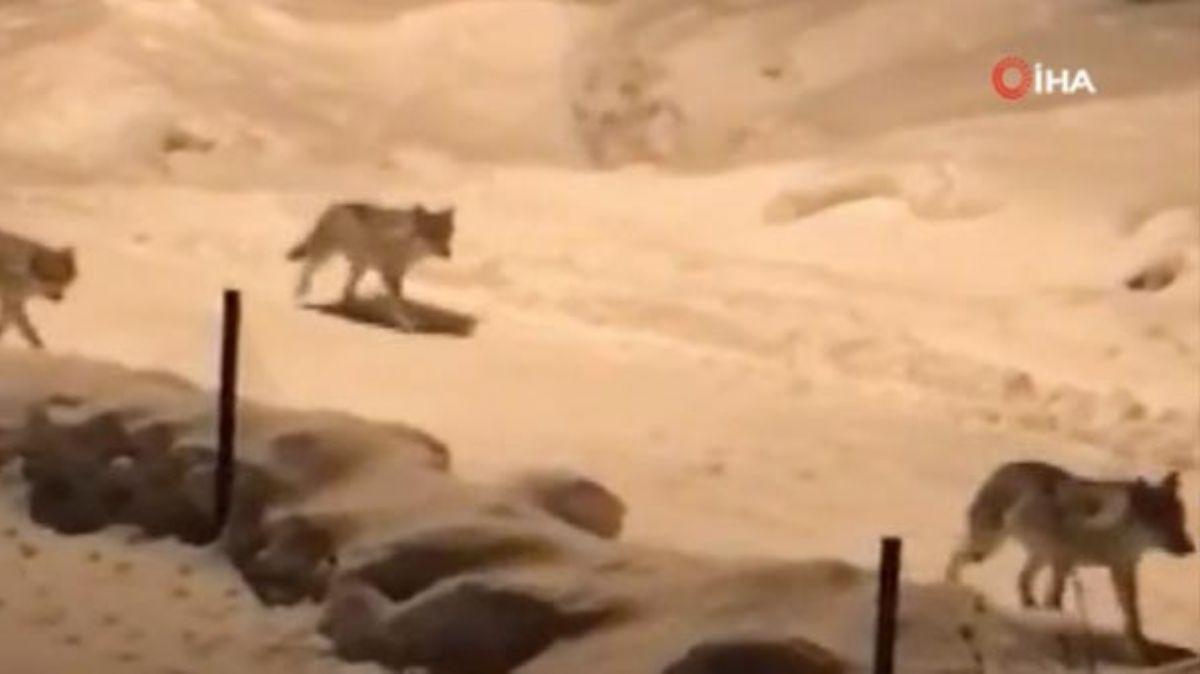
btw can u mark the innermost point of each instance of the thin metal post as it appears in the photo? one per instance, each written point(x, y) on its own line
point(888, 606)
point(227, 407)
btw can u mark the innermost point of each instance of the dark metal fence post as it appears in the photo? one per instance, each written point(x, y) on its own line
point(888, 606)
point(227, 408)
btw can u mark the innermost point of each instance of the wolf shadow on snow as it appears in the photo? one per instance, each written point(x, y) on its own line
point(377, 311)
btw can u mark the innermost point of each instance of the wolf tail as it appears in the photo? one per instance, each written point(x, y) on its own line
point(985, 532)
point(989, 512)
point(300, 250)
point(320, 237)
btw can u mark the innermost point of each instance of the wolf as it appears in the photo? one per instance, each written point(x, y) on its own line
point(1064, 521)
point(31, 269)
point(387, 240)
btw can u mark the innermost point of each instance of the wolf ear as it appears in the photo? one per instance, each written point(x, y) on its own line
point(1141, 488)
point(1171, 482)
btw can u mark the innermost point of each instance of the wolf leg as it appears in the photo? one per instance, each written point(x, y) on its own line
point(394, 282)
point(1027, 577)
point(1124, 579)
point(352, 280)
point(25, 326)
point(1058, 584)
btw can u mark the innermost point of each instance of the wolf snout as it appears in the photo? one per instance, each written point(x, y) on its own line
point(1183, 547)
point(1176, 541)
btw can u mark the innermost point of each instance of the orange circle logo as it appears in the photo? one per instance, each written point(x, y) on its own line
point(1024, 82)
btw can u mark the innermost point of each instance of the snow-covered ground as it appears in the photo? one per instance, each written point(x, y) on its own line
point(823, 280)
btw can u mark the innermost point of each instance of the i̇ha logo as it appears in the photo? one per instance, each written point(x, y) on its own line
point(1013, 78)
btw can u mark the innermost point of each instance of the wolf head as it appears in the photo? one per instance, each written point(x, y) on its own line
point(1159, 509)
point(436, 229)
point(53, 270)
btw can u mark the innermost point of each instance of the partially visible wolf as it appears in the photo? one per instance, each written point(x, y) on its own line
point(30, 269)
point(1064, 521)
point(387, 240)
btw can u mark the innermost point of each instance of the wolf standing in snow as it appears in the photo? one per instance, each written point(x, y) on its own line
point(1064, 521)
point(30, 269)
point(387, 240)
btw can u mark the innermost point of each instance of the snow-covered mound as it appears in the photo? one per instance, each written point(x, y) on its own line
point(435, 574)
